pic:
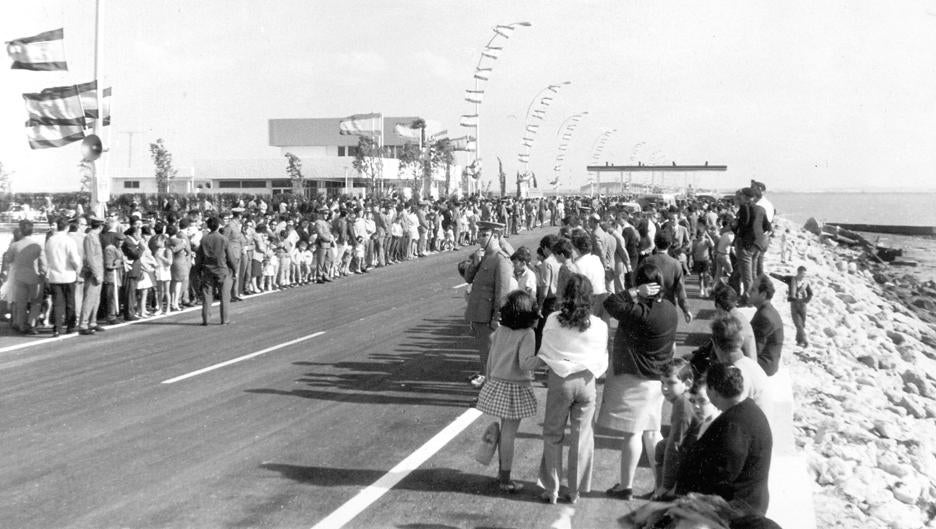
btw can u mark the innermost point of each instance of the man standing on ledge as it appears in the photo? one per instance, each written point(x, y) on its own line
point(216, 267)
point(488, 272)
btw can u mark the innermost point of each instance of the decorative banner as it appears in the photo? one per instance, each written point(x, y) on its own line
point(492, 52)
point(42, 52)
point(474, 96)
point(469, 120)
point(106, 110)
point(361, 125)
point(537, 110)
point(566, 132)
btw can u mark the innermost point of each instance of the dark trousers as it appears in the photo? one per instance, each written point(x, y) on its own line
point(235, 292)
point(798, 313)
point(109, 307)
point(130, 298)
point(209, 283)
point(63, 305)
point(549, 305)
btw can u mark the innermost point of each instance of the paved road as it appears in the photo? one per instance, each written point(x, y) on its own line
point(94, 437)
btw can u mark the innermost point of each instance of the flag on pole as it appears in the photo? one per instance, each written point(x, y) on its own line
point(45, 136)
point(404, 130)
point(60, 105)
point(492, 52)
point(532, 127)
point(42, 52)
point(474, 96)
point(106, 104)
point(483, 74)
point(504, 31)
point(361, 125)
point(469, 120)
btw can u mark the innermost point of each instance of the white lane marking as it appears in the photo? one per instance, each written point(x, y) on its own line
point(366, 497)
point(242, 358)
point(44, 340)
point(461, 285)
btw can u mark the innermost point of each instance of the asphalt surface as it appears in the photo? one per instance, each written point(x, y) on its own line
point(94, 437)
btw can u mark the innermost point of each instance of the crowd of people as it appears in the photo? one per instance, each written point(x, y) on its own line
point(149, 256)
point(549, 308)
point(608, 262)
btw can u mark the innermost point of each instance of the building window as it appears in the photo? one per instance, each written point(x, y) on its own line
point(131, 184)
point(341, 150)
point(352, 150)
point(229, 184)
point(280, 183)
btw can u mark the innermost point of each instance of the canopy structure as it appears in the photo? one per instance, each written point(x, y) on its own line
point(653, 184)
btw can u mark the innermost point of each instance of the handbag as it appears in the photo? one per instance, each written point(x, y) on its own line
point(488, 445)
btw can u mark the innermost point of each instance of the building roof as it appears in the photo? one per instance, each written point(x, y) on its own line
point(324, 131)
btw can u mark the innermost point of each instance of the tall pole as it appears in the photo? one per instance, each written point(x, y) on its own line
point(96, 205)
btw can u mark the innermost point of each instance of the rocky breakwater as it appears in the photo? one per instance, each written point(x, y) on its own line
point(865, 388)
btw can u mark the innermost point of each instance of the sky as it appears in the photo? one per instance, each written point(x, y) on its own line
point(802, 95)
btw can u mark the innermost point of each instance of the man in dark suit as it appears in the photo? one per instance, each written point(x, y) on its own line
point(217, 267)
point(488, 273)
point(673, 287)
point(767, 325)
point(732, 458)
point(750, 236)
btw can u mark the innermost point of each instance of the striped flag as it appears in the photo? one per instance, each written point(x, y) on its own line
point(361, 125)
point(469, 120)
point(42, 52)
point(404, 130)
point(45, 136)
point(483, 74)
point(60, 105)
point(532, 127)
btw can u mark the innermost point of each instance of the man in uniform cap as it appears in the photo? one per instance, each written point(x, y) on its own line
point(488, 273)
point(324, 240)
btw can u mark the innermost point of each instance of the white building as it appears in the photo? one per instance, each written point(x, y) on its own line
point(327, 163)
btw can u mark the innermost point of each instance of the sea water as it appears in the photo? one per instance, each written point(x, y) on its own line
point(903, 209)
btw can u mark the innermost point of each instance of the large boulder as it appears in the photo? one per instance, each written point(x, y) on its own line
point(812, 226)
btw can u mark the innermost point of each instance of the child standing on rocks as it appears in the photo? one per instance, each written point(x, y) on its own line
point(799, 295)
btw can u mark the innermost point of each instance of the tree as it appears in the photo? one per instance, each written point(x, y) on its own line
point(294, 170)
point(410, 160)
point(368, 161)
point(442, 154)
point(162, 159)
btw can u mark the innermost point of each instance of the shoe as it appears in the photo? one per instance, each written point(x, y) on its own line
point(237, 299)
point(510, 487)
point(55, 334)
point(571, 499)
point(85, 332)
point(132, 318)
point(98, 328)
point(204, 324)
point(619, 493)
point(228, 322)
point(548, 498)
point(477, 381)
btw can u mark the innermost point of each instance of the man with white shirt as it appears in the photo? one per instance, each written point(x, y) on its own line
point(64, 261)
point(761, 200)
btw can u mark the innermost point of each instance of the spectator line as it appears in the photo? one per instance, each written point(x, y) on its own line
point(372, 493)
point(242, 358)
